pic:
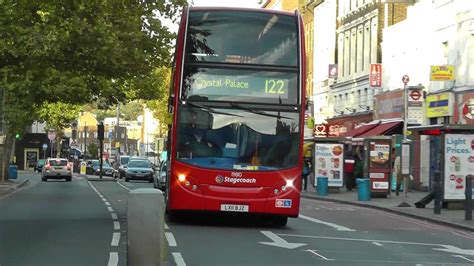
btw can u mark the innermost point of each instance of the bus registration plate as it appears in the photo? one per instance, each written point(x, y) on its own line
point(234, 208)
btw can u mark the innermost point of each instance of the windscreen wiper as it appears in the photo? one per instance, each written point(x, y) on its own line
point(209, 109)
point(257, 111)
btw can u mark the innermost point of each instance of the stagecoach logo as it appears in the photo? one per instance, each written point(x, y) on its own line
point(234, 180)
point(219, 179)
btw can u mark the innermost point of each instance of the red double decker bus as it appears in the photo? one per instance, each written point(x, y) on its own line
point(237, 104)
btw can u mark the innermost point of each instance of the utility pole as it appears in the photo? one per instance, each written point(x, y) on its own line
point(117, 134)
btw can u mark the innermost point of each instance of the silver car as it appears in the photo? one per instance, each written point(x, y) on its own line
point(160, 176)
point(56, 168)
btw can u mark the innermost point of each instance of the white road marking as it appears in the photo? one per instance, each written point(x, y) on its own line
point(178, 259)
point(110, 209)
point(459, 256)
point(335, 226)
point(279, 242)
point(377, 244)
point(114, 216)
point(445, 248)
point(316, 208)
point(120, 184)
point(317, 254)
point(106, 203)
point(170, 238)
point(166, 226)
point(116, 225)
point(113, 259)
point(115, 239)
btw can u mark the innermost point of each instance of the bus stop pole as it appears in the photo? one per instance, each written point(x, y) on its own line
point(437, 190)
point(468, 203)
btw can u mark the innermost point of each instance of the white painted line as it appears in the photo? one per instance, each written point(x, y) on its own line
point(316, 208)
point(459, 256)
point(116, 225)
point(166, 227)
point(120, 184)
point(377, 244)
point(113, 259)
point(335, 226)
point(106, 203)
point(319, 255)
point(170, 238)
point(115, 239)
point(178, 259)
point(114, 216)
point(110, 209)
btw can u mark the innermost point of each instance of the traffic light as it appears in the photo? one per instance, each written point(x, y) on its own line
point(100, 131)
point(18, 136)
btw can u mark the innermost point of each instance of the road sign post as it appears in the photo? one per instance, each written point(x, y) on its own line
point(51, 137)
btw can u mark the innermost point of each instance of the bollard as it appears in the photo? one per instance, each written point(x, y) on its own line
point(468, 203)
point(145, 223)
point(438, 191)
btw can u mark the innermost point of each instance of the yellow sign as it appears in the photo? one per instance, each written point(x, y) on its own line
point(438, 105)
point(117, 144)
point(441, 73)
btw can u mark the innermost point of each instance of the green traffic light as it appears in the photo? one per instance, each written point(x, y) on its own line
point(17, 136)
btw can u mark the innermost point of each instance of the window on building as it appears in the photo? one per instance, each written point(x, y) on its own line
point(353, 51)
point(366, 46)
point(347, 57)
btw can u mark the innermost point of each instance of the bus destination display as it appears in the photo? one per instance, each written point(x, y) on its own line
point(246, 86)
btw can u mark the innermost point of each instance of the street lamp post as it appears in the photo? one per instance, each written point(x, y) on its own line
point(405, 155)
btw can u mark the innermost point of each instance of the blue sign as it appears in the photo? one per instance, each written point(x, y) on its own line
point(110, 134)
point(45, 146)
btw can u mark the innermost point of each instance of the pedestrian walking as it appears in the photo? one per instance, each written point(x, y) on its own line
point(349, 169)
point(306, 172)
point(358, 164)
point(397, 170)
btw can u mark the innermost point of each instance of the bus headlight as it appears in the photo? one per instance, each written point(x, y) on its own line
point(181, 178)
point(289, 183)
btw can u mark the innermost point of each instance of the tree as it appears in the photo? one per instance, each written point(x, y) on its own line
point(80, 51)
point(159, 106)
point(93, 150)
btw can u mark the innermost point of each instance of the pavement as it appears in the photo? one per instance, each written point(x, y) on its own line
point(449, 217)
point(12, 185)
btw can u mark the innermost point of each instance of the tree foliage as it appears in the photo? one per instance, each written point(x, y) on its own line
point(83, 51)
point(58, 115)
point(77, 52)
point(159, 106)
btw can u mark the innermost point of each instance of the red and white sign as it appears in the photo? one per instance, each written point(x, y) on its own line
point(405, 79)
point(51, 135)
point(375, 76)
point(326, 130)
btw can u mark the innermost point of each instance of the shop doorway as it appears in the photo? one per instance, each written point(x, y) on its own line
point(31, 158)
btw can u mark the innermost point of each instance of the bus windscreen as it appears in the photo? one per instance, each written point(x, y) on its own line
point(242, 37)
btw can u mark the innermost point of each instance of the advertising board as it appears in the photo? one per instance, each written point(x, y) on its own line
point(458, 163)
point(329, 160)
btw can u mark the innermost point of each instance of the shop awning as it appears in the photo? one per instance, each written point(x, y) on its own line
point(360, 130)
point(381, 129)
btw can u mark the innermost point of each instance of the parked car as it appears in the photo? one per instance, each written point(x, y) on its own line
point(139, 169)
point(56, 168)
point(39, 165)
point(93, 168)
point(120, 166)
point(159, 180)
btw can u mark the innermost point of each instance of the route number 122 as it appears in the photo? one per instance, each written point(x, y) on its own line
point(274, 86)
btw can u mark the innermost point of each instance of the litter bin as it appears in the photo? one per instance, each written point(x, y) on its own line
point(363, 189)
point(322, 185)
point(12, 171)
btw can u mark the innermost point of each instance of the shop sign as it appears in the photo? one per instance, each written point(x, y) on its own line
point(329, 160)
point(458, 164)
point(442, 73)
point(375, 75)
point(326, 130)
point(438, 105)
point(388, 104)
point(332, 71)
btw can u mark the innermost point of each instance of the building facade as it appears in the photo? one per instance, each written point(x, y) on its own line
point(359, 31)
